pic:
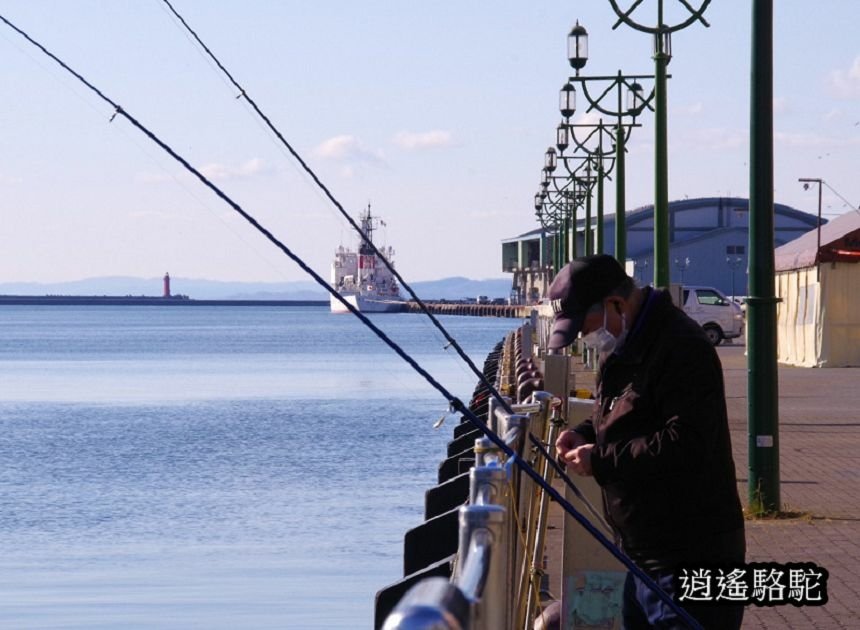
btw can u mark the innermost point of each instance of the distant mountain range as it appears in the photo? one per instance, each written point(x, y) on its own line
point(446, 288)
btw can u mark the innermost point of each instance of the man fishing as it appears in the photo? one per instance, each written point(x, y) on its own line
point(658, 440)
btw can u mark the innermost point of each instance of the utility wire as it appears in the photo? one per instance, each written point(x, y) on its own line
point(244, 94)
point(835, 192)
point(455, 403)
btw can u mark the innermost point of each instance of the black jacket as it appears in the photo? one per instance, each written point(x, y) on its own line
point(663, 454)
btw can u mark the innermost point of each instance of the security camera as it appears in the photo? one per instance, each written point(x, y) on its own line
point(806, 186)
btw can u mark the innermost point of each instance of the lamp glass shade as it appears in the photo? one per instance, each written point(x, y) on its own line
point(561, 141)
point(635, 99)
point(577, 47)
point(664, 41)
point(567, 100)
point(550, 160)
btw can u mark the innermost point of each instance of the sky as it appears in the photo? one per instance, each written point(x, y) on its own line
point(437, 113)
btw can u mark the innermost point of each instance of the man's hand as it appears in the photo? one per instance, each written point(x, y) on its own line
point(579, 460)
point(573, 451)
point(566, 442)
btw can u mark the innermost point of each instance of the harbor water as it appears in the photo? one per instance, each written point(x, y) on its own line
point(214, 467)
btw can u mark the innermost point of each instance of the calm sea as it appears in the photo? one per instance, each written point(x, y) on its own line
point(214, 467)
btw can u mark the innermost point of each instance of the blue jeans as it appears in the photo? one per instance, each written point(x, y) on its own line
point(642, 609)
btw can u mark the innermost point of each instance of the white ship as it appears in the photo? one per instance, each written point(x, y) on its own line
point(362, 278)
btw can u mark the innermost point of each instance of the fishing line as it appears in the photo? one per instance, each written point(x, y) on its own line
point(456, 403)
point(244, 94)
point(563, 476)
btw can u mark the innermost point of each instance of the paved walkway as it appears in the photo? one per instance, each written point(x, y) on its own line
point(819, 433)
point(819, 436)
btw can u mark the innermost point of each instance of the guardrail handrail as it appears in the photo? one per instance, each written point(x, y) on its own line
point(491, 587)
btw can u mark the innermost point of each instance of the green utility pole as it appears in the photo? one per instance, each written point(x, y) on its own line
point(763, 397)
point(661, 160)
point(620, 218)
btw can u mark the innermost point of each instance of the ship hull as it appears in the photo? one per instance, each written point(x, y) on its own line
point(366, 304)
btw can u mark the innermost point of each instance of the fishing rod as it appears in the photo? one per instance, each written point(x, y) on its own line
point(243, 93)
point(455, 402)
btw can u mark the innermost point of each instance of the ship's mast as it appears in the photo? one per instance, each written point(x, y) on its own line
point(368, 224)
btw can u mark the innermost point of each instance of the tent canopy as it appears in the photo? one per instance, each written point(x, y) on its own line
point(840, 242)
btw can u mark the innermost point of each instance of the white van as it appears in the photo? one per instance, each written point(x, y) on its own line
point(721, 317)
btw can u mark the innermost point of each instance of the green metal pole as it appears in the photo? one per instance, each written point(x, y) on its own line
point(551, 246)
point(573, 245)
point(661, 168)
point(620, 216)
point(599, 239)
point(763, 400)
point(588, 242)
point(566, 242)
point(543, 248)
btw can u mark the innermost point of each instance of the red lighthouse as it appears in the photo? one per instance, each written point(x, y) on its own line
point(166, 285)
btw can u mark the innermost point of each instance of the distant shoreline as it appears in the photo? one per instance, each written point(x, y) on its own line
point(119, 300)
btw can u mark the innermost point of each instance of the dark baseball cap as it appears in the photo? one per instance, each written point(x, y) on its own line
point(579, 285)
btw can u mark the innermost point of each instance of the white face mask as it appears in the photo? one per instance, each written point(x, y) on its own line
point(604, 341)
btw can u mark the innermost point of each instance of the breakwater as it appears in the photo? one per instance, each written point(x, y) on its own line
point(476, 310)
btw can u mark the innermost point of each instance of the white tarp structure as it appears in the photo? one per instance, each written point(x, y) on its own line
point(818, 319)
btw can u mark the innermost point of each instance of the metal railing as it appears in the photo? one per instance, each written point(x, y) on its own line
point(496, 580)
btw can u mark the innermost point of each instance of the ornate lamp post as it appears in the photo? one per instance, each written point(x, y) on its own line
point(632, 106)
point(593, 161)
point(576, 190)
point(552, 209)
point(662, 34)
point(557, 206)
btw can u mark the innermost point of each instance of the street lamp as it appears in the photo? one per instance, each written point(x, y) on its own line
point(576, 192)
point(567, 100)
point(592, 158)
point(661, 33)
point(559, 212)
point(812, 180)
point(550, 160)
point(635, 97)
point(643, 268)
point(682, 265)
point(561, 140)
point(577, 47)
point(733, 264)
